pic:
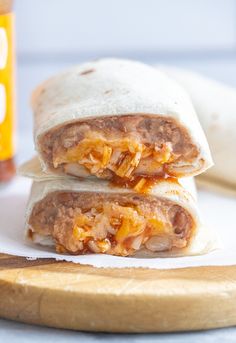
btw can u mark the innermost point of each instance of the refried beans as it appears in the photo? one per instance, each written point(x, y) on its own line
point(120, 147)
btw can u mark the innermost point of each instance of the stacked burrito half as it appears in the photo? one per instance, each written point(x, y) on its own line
point(117, 144)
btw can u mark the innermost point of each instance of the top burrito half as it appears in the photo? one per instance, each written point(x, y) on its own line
point(117, 119)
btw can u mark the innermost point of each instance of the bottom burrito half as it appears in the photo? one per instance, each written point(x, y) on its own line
point(90, 217)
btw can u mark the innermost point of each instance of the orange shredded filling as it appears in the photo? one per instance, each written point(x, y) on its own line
point(116, 229)
point(120, 156)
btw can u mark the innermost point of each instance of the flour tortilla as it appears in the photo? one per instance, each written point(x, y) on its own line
point(111, 87)
point(202, 241)
point(215, 104)
point(32, 169)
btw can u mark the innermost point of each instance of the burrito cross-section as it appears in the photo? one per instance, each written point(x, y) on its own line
point(118, 120)
point(118, 143)
point(85, 217)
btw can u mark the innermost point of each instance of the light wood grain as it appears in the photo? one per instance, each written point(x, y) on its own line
point(67, 295)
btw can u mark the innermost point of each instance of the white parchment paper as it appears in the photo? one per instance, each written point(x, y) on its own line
point(219, 213)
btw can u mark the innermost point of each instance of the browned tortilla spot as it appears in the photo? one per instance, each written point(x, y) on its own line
point(87, 71)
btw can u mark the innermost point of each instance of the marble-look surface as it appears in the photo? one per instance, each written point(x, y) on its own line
point(14, 332)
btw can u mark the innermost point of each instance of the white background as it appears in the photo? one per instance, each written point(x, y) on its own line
point(86, 27)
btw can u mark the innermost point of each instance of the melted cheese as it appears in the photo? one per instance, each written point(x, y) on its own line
point(119, 156)
point(116, 229)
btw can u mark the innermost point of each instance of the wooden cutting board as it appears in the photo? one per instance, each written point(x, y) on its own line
point(71, 296)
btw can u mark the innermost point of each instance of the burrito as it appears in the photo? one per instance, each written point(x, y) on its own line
point(215, 104)
point(118, 120)
point(88, 216)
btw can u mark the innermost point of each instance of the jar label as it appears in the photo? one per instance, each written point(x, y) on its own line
point(7, 87)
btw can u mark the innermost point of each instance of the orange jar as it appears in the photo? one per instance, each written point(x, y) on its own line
point(7, 91)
